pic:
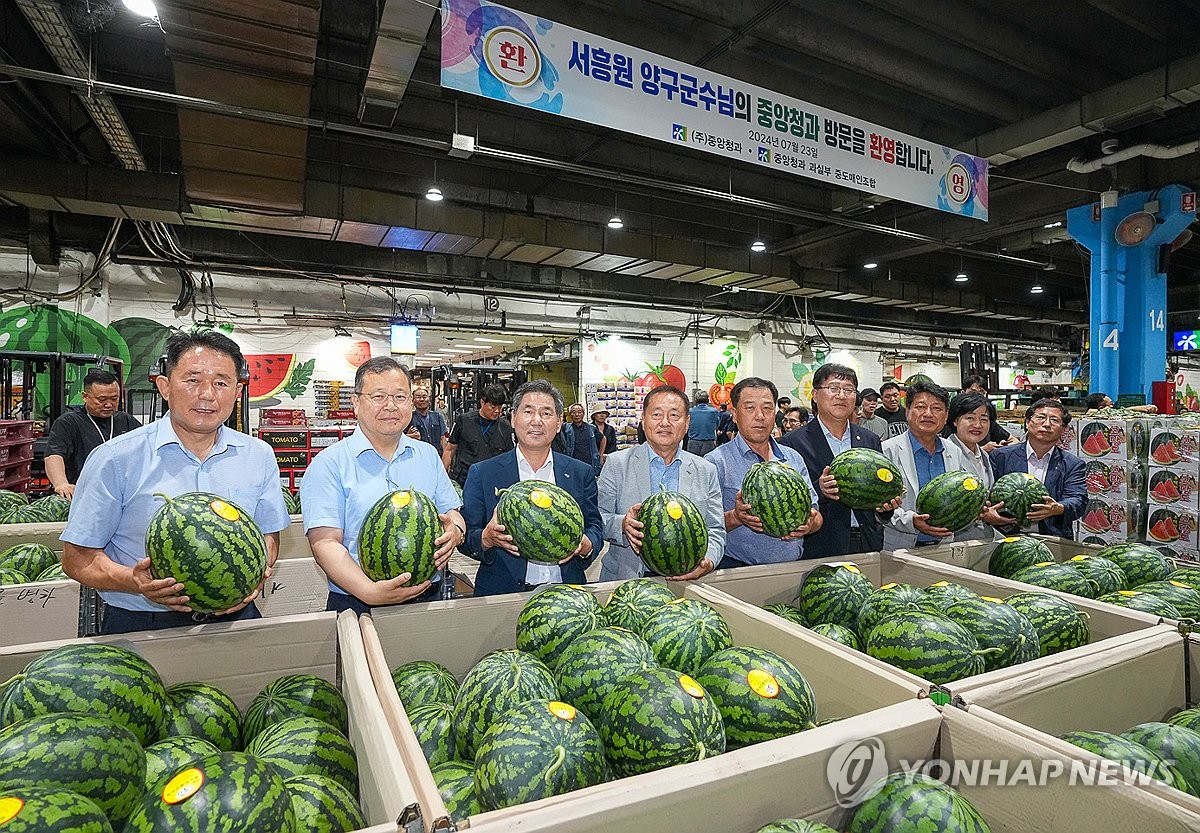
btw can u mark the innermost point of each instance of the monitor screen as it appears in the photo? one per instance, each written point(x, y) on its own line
point(404, 339)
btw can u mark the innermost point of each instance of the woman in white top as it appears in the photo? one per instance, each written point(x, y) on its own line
point(967, 426)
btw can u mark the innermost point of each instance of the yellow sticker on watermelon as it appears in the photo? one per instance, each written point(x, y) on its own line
point(401, 499)
point(9, 807)
point(992, 599)
point(888, 586)
point(1129, 592)
point(674, 510)
point(691, 686)
point(885, 475)
point(1181, 584)
point(540, 499)
point(852, 568)
point(224, 510)
point(762, 683)
point(970, 484)
point(1010, 539)
point(562, 710)
point(183, 786)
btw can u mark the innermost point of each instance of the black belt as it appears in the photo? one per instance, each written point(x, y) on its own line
point(928, 543)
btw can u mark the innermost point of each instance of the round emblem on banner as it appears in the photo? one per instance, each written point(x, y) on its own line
point(512, 56)
point(960, 184)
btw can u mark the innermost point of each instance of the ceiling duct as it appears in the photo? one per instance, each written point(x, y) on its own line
point(399, 38)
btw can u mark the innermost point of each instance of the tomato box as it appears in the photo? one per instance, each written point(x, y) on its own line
point(1172, 446)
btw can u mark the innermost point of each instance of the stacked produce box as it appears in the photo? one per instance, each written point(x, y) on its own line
point(623, 401)
point(1173, 458)
point(1114, 450)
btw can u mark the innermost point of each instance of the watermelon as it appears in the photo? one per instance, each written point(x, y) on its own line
point(865, 478)
point(92, 756)
point(839, 634)
point(1055, 576)
point(1015, 553)
point(594, 662)
point(884, 602)
point(397, 537)
point(456, 782)
point(11, 500)
point(53, 573)
point(554, 616)
point(147, 340)
point(634, 601)
point(779, 496)
point(761, 696)
point(1145, 602)
point(927, 645)
point(27, 808)
point(295, 695)
point(322, 805)
point(675, 534)
point(536, 750)
point(1177, 594)
point(307, 746)
point(1188, 718)
point(228, 792)
point(210, 546)
point(1186, 575)
point(833, 594)
point(172, 754)
point(204, 711)
point(1140, 563)
point(906, 802)
point(1130, 753)
point(657, 718)
point(29, 559)
point(942, 593)
point(1175, 744)
point(1019, 491)
point(54, 508)
point(433, 724)
point(1058, 624)
point(952, 500)
point(269, 374)
point(684, 633)
point(9, 576)
point(499, 681)
point(93, 679)
point(997, 625)
point(291, 500)
point(789, 612)
point(422, 682)
point(545, 522)
point(795, 826)
point(1103, 575)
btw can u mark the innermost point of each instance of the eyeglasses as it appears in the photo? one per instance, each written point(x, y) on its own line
point(836, 390)
point(379, 400)
point(1046, 419)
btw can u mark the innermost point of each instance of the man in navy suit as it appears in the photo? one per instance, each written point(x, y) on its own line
point(1061, 471)
point(536, 418)
point(845, 531)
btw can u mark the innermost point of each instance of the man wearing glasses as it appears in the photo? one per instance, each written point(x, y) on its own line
point(76, 434)
point(845, 531)
point(346, 479)
point(1061, 471)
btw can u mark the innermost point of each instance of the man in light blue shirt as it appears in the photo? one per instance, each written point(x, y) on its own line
point(345, 480)
point(188, 450)
point(753, 407)
point(702, 426)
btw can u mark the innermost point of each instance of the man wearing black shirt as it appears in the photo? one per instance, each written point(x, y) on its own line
point(478, 435)
point(77, 433)
point(890, 410)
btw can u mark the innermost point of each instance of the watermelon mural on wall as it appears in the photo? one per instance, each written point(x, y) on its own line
point(147, 341)
point(274, 374)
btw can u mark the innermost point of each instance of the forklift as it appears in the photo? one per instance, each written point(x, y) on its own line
point(461, 384)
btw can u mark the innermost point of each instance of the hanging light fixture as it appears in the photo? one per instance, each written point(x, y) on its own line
point(1036, 289)
point(614, 222)
point(961, 277)
point(758, 245)
point(434, 194)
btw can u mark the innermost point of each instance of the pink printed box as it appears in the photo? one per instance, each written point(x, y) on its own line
point(1114, 479)
point(1173, 486)
point(1174, 447)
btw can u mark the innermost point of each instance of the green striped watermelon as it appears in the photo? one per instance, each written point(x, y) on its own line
point(1018, 491)
point(657, 718)
point(839, 634)
point(761, 696)
point(307, 746)
point(865, 478)
point(1189, 575)
point(11, 500)
point(499, 681)
point(634, 601)
point(94, 757)
point(456, 782)
point(397, 537)
point(1130, 753)
point(28, 808)
point(943, 593)
point(884, 602)
point(291, 500)
point(1059, 625)
point(1015, 553)
point(779, 495)
point(927, 645)
point(908, 802)
point(433, 724)
point(1145, 602)
point(29, 559)
point(1141, 563)
point(54, 508)
point(536, 750)
point(795, 826)
point(173, 754)
point(1055, 576)
point(322, 805)
point(684, 633)
point(422, 682)
point(554, 616)
point(53, 573)
point(1103, 575)
point(295, 695)
point(594, 662)
point(210, 546)
point(204, 711)
point(1188, 718)
point(9, 576)
point(997, 625)
point(833, 593)
point(545, 522)
point(1175, 744)
point(952, 500)
point(789, 612)
point(227, 792)
point(93, 679)
point(675, 534)
point(1177, 594)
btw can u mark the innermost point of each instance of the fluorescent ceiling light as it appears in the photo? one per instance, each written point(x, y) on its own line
point(870, 265)
point(1053, 225)
point(458, 350)
point(494, 340)
point(615, 222)
point(145, 8)
point(434, 194)
point(758, 246)
point(1036, 289)
point(961, 277)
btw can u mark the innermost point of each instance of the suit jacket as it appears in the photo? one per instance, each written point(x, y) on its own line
point(833, 538)
point(1065, 481)
point(500, 572)
point(625, 480)
point(900, 533)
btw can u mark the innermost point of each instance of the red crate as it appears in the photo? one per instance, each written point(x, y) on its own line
point(16, 429)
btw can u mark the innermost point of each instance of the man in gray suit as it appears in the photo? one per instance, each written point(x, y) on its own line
point(632, 475)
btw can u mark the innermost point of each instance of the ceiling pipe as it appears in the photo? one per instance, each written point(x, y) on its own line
point(1079, 166)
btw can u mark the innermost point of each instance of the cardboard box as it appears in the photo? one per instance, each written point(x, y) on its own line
point(1113, 479)
point(1173, 486)
point(1120, 439)
point(790, 778)
point(39, 610)
point(297, 586)
point(1174, 446)
point(1171, 525)
point(458, 633)
point(1111, 516)
point(242, 657)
